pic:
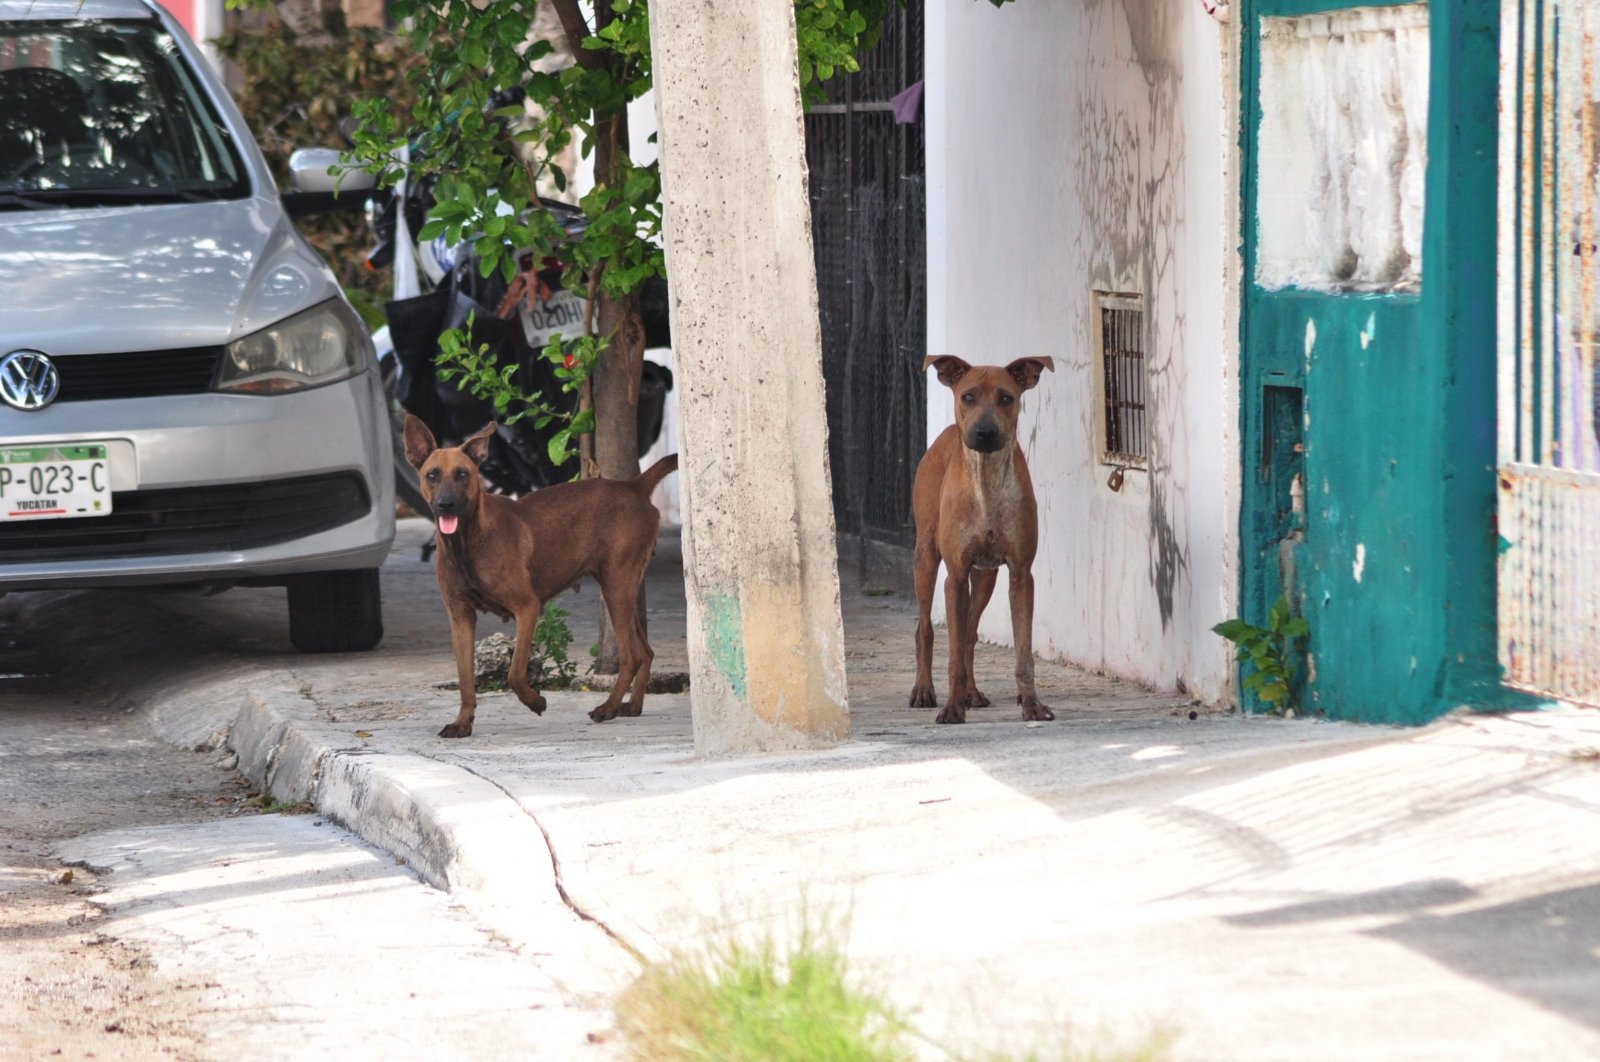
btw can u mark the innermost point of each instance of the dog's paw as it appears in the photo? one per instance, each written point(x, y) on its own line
point(535, 703)
point(631, 710)
point(456, 730)
point(604, 712)
point(976, 699)
point(1033, 711)
point(953, 713)
point(923, 697)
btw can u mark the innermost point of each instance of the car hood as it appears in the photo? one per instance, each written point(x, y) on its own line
point(151, 277)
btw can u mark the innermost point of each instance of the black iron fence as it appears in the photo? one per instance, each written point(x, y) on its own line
point(868, 223)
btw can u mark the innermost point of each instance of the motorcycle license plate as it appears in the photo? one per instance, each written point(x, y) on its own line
point(52, 482)
point(563, 313)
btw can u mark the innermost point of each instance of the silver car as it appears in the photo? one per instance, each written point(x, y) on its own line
point(185, 395)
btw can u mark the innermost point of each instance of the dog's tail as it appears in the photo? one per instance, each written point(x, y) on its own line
point(657, 472)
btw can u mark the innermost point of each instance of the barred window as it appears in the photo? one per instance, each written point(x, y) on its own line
point(1122, 377)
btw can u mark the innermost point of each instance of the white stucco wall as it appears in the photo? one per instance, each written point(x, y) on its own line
point(1074, 148)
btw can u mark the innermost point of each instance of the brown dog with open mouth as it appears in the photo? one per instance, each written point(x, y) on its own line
point(974, 509)
point(510, 557)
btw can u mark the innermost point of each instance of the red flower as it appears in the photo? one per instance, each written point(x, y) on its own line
point(571, 361)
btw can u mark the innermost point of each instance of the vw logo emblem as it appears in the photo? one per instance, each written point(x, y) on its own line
point(28, 380)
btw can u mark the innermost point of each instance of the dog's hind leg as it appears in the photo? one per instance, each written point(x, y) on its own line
point(517, 677)
point(644, 656)
point(983, 580)
point(621, 596)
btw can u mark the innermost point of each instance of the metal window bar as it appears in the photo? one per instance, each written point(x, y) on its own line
point(1123, 371)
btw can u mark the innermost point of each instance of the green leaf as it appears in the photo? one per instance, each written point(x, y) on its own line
point(1234, 630)
point(558, 448)
point(511, 31)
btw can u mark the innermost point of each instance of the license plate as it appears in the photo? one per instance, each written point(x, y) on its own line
point(563, 313)
point(51, 482)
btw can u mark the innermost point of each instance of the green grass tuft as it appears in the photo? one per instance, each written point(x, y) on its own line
point(732, 1001)
point(739, 1001)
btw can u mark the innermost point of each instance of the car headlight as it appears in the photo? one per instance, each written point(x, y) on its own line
point(319, 346)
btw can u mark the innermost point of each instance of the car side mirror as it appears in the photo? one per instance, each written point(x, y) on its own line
point(313, 189)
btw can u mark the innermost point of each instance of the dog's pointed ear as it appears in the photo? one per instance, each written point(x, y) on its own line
point(1026, 371)
point(949, 367)
point(477, 447)
point(419, 441)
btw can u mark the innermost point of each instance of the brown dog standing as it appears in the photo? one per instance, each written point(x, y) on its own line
point(974, 508)
point(510, 557)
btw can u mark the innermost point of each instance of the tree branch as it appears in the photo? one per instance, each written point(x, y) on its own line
point(577, 31)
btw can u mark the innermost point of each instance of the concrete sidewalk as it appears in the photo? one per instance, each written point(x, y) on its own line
point(1253, 888)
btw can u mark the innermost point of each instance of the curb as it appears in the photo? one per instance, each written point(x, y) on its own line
point(455, 830)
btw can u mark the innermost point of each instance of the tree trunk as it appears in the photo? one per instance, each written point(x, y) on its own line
point(615, 380)
point(616, 424)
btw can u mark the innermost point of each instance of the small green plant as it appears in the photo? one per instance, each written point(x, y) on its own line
point(750, 1001)
point(551, 637)
point(1273, 651)
point(271, 805)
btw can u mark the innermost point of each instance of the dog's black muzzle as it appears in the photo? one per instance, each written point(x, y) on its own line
point(985, 436)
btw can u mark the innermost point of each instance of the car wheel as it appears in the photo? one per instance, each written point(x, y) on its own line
point(335, 612)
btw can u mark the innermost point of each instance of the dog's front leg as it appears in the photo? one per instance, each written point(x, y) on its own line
point(957, 608)
point(517, 679)
point(927, 573)
point(1022, 634)
point(463, 629)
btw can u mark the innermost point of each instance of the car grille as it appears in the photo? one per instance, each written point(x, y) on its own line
point(192, 520)
point(136, 374)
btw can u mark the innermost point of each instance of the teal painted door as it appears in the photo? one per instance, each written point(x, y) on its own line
point(1367, 366)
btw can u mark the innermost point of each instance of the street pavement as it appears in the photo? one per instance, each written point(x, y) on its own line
point(1143, 870)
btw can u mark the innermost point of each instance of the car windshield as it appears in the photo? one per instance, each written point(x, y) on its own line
point(104, 112)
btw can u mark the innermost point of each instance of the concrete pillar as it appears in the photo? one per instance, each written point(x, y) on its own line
point(766, 653)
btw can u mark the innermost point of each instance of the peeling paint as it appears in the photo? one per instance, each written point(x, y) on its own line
point(1343, 134)
point(724, 634)
point(1360, 564)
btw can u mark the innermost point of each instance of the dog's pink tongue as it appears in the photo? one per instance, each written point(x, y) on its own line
point(447, 525)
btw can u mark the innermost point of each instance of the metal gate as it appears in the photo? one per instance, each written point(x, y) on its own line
point(868, 223)
point(1549, 388)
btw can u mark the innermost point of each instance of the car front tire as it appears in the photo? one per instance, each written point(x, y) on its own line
point(335, 612)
